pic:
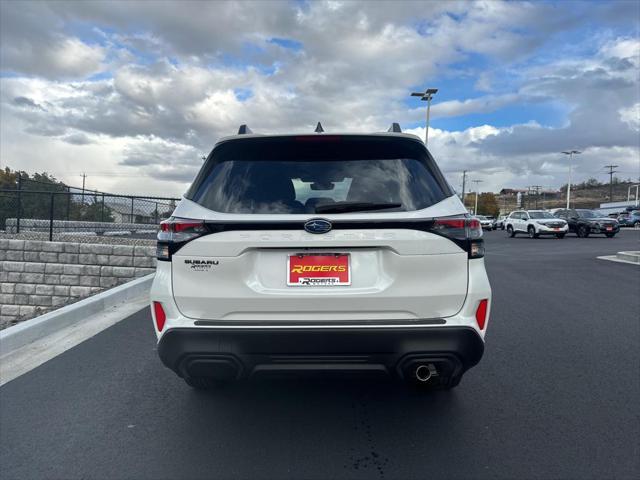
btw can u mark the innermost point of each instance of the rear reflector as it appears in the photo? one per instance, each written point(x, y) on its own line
point(158, 312)
point(481, 313)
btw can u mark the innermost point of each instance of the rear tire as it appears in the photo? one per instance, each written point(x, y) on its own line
point(532, 232)
point(204, 383)
point(583, 231)
point(510, 231)
point(560, 235)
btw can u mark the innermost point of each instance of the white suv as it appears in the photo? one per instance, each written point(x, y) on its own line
point(326, 253)
point(535, 223)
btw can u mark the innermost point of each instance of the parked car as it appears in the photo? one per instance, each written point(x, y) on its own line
point(535, 223)
point(485, 222)
point(320, 253)
point(585, 222)
point(631, 219)
point(498, 223)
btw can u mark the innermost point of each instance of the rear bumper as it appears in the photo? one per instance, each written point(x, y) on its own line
point(231, 354)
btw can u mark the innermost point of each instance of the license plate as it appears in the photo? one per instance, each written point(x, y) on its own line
point(309, 270)
point(609, 229)
point(556, 228)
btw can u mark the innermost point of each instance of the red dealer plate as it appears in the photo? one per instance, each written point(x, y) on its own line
point(318, 270)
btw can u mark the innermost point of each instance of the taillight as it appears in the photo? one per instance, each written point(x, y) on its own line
point(464, 231)
point(161, 317)
point(175, 232)
point(481, 313)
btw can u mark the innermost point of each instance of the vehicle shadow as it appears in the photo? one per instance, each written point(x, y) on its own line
point(353, 427)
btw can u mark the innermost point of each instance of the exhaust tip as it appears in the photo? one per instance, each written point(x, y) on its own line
point(424, 372)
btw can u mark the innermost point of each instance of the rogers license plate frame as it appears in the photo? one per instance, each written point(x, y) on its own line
point(322, 280)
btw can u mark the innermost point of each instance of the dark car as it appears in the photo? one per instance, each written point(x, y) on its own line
point(630, 219)
point(586, 222)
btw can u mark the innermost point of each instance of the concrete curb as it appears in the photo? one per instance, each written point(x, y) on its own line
point(29, 331)
point(630, 256)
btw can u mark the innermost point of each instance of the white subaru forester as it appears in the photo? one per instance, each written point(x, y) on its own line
point(320, 253)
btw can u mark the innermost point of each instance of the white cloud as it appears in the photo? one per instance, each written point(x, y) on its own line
point(486, 104)
point(175, 82)
point(631, 116)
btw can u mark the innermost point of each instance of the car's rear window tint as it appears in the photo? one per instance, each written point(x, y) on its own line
point(297, 174)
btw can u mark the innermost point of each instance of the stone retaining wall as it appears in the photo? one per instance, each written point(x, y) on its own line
point(39, 276)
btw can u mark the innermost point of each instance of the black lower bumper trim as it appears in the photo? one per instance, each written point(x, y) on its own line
point(241, 353)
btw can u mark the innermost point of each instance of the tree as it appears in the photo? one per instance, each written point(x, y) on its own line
point(33, 199)
point(27, 202)
point(487, 204)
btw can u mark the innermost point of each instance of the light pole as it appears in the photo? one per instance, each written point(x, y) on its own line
point(629, 193)
point(570, 153)
point(426, 95)
point(475, 209)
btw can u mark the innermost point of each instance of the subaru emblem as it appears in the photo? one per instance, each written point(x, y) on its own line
point(317, 225)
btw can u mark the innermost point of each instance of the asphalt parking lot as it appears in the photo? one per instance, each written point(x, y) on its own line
point(555, 396)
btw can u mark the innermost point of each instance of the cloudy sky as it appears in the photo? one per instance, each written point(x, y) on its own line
point(135, 93)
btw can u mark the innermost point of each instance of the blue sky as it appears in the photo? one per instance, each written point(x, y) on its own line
point(124, 90)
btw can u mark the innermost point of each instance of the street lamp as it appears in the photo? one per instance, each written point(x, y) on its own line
point(570, 153)
point(475, 209)
point(426, 95)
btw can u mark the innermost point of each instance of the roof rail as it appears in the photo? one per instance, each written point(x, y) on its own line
point(395, 128)
point(244, 130)
point(319, 128)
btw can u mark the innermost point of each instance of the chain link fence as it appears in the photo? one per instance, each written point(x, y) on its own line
point(58, 209)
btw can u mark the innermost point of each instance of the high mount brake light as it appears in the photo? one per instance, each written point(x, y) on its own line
point(175, 232)
point(464, 231)
point(318, 138)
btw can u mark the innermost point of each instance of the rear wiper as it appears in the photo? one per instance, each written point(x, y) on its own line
point(340, 207)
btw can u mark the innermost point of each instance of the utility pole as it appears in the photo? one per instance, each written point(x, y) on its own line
point(464, 179)
point(570, 153)
point(536, 189)
point(475, 210)
point(611, 172)
point(427, 95)
point(84, 177)
point(19, 187)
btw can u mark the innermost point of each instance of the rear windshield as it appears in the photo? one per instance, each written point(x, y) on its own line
point(293, 175)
